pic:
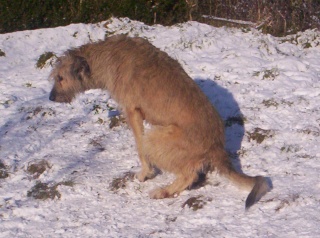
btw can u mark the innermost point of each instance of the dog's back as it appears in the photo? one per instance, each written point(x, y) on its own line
point(142, 76)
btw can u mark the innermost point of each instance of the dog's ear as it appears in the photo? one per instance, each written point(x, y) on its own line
point(80, 68)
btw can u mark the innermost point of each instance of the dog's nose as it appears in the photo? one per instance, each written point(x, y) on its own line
point(52, 97)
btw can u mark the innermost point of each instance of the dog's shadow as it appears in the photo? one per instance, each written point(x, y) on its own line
point(230, 112)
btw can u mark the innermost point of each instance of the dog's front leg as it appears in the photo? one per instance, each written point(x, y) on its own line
point(135, 120)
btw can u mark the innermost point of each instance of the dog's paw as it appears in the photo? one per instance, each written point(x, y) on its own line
point(140, 176)
point(143, 176)
point(159, 193)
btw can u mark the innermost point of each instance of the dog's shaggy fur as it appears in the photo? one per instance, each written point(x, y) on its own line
point(187, 134)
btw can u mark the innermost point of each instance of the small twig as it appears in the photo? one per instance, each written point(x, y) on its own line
point(261, 24)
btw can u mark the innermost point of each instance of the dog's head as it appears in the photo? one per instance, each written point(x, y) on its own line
point(71, 75)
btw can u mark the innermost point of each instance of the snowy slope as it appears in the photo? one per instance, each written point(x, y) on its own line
point(266, 89)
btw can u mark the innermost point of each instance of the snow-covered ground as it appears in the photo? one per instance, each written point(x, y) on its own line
point(266, 89)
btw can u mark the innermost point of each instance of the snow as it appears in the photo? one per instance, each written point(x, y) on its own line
point(272, 83)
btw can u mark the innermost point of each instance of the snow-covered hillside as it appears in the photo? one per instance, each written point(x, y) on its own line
point(66, 169)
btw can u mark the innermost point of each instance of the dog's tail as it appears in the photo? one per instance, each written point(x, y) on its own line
point(258, 185)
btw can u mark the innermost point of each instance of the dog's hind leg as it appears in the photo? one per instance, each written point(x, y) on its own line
point(179, 184)
point(167, 148)
point(135, 120)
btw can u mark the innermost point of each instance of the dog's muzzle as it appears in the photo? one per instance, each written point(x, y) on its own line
point(52, 96)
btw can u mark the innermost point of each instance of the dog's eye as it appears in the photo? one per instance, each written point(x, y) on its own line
point(60, 78)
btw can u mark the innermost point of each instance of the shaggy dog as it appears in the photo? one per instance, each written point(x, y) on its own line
point(187, 133)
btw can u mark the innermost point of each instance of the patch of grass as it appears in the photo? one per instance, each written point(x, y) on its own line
point(44, 191)
point(270, 103)
point(33, 112)
point(45, 59)
point(270, 74)
point(195, 203)
point(315, 132)
point(290, 148)
point(285, 102)
point(48, 112)
point(36, 168)
point(267, 74)
point(306, 40)
point(121, 182)
point(2, 54)
point(97, 109)
point(100, 121)
point(101, 107)
point(273, 103)
point(28, 85)
point(259, 135)
point(68, 183)
point(241, 152)
point(307, 45)
point(116, 121)
point(3, 170)
point(170, 219)
point(110, 108)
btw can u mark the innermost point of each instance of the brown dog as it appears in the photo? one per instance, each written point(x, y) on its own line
point(187, 134)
